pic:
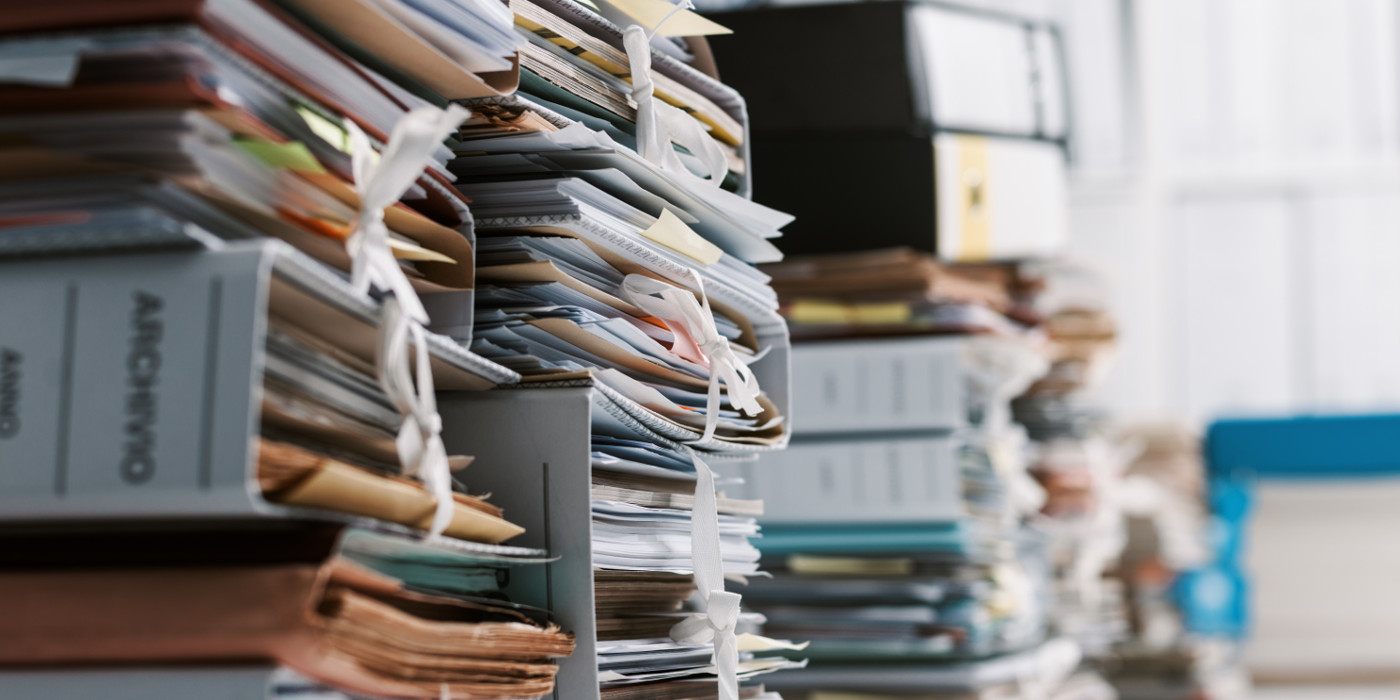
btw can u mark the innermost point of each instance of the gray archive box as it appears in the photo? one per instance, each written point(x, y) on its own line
point(878, 386)
point(132, 383)
point(252, 682)
point(880, 480)
point(532, 448)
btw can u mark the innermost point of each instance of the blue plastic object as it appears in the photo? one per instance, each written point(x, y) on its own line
point(1312, 447)
point(1215, 598)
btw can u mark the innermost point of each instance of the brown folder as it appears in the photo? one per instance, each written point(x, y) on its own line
point(339, 623)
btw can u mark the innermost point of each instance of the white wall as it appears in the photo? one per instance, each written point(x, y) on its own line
point(1240, 179)
point(1252, 239)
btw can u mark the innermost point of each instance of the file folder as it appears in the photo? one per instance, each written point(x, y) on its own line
point(541, 437)
point(302, 597)
point(139, 377)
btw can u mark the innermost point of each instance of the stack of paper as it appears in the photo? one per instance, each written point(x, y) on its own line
point(349, 609)
point(205, 486)
point(219, 386)
point(604, 261)
point(899, 291)
point(909, 570)
point(1169, 545)
point(208, 120)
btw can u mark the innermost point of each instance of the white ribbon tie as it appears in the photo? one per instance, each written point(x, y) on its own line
point(717, 622)
point(675, 305)
point(658, 123)
point(380, 185)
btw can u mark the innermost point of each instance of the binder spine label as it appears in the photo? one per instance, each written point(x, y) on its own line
point(127, 384)
point(143, 360)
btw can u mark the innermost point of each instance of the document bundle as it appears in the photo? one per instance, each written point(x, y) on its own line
point(896, 551)
point(342, 609)
point(1165, 547)
point(616, 251)
point(224, 451)
point(895, 525)
point(900, 291)
point(955, 146)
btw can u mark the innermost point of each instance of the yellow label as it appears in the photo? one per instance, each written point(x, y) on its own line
point(671, 232)
point(649, 13)
point(819, 565)
point(291, 156)
point(975, 240)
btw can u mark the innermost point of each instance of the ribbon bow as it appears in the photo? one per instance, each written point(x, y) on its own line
point(379, 185)
point(721, 613)
point(658, 124)
point(677, 305)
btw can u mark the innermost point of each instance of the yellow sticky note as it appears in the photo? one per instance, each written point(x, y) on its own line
point(329, 131)
point(649, 13)
point(671, 232)
point(291, 156)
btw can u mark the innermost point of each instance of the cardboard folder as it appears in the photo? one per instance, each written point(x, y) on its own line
point(333, 620)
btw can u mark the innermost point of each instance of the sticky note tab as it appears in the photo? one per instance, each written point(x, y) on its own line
point(291, 156)
point(753, 642)
point(671, 232)
point(649, 13)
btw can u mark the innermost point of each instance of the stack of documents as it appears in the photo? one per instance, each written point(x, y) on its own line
point(1160, 654)
point(597, 265)
point(1078, 464)
point(225, 383)
point(895, 536)
point(205, 461)
point(899, 291)
point(575, 68)
point(910, 606)
point(348, 609)
point(151, 124)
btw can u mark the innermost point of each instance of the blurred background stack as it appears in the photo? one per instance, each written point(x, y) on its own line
point(894, 524)
point(934, 263)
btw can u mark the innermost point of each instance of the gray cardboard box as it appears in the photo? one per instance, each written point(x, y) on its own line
point(132, 383)
point(878, 386)
point(871, 480)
